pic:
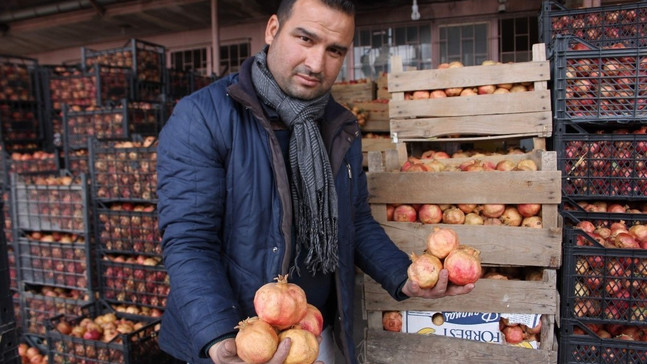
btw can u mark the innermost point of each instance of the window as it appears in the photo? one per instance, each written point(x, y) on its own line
point(464, 43)
point(516, 37)
point(374, 47)
point(232, 56)
point(190, 60)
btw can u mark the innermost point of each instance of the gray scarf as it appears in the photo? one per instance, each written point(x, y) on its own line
point(313, 190)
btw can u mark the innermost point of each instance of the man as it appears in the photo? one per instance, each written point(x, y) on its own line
point(260, 174)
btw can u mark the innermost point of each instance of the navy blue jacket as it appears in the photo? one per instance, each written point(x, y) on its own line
point(225, 212)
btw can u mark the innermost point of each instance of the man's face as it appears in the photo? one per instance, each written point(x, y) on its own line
point(308, 51)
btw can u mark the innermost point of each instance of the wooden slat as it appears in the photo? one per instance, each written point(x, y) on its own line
point(499, 245)
point(383, 347)
point(456, 187)
point(535, 123)
point(517, 102)
point(469, 76)
point(488, 295)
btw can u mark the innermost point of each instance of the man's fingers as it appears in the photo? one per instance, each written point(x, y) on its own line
point(281, 352)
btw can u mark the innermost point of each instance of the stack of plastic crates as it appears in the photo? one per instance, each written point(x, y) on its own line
point(599, 65)
point(8, 329)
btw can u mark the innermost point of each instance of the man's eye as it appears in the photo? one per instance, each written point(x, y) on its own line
point(304, 38)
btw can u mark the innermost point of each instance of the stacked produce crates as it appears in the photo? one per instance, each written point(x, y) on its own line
point(20, 105)
point(53, 250)
point(182, 83)
point(147, 61)
point(124, 182)
point(8, 328)
point(519, 260)
point(599, 58)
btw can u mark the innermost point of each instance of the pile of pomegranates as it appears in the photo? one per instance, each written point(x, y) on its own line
point(443, 251)
point(282, 312)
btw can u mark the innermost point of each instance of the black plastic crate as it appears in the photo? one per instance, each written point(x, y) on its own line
point(6, 308)
point(601, 26)
point(17, 78)
point(38, 162)
point(179, 83)
point(6, 210)
point(147, 91)
point(134, 280)
point(136, 347)
point(73, 85)
point(40, 305)
point(9, 344)
point(147, 60)
point(50, 203)
point(580, 344)
point(600, 227)
point(100, 122)
point(13, 270)
point(77, 161)
point(599, 84)
point(20, 121)
point(124, 171)
point(127, 228)
point(604, 285)
point(602, 166)
point(43, 260)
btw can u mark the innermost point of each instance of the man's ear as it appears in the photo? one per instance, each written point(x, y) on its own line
point(271, 29)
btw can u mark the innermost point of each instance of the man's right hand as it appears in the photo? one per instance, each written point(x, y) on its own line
point(225, 352)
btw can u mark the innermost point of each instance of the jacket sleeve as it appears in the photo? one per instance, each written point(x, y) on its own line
point(191, 190)
point(375, 252)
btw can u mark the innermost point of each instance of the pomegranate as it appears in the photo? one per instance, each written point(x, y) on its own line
point(511, 216)
point(492, 210)
point(463, 265)
point(532, 222)
point(304, 348)
point(430, 214)
point(441, 241)
point(474, 219)
point(513, 334)
point(256, 340)
point(280, 303)
point(453, 215)
point(392, 321)
point(466, 207)
point(424, 270)
point(526, 165)
point(528, 209)
point(312, 321)
point(405, 213)
point(505, 165)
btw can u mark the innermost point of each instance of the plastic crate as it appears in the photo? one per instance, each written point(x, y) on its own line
point(56, 263)
point(599, 84)
point(9, 344)
point(16, 78)
point(77, 161)
point(601, 26)
point(6, 309)
point(603, 284)
point(6, 210)
point(179, 83)
point(13, 271)
point(97, 86)
point(124, 280)
point(49, 203)
point(124, 171)
point(147, 60)
point(579, 344)
point(39, 306)
point(102, 123)
point(126, 228)
point(136, 347)
point(602, 166)
point(40, 162)
point(147, 91)
point(20, 121)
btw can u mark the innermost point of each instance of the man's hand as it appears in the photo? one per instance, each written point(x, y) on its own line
point(441, 289)
point(225, 352)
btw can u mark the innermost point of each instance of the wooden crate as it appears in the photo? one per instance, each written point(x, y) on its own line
point(495, 115)
point(380, 145)
point(377, 115)
point(499, 246)
point(348, 93)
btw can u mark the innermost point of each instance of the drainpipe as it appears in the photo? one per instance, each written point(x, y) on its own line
point(215, 39)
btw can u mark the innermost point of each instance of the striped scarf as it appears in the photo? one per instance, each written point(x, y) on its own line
point(313, 190)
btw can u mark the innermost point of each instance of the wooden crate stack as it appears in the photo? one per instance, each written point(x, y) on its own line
point(525, 114)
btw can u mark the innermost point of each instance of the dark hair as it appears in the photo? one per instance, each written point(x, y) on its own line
point(346, 6)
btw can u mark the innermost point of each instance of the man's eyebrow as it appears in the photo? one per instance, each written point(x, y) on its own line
point(313, 36)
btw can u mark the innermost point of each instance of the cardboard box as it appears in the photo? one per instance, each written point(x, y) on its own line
point(475, 326)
